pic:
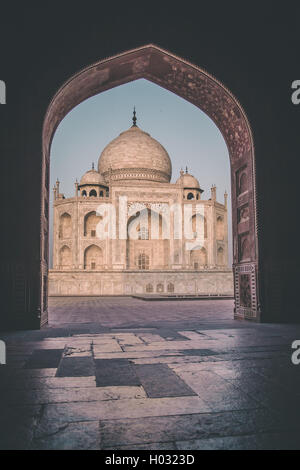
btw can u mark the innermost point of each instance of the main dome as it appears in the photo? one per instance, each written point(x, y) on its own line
point(135, 155)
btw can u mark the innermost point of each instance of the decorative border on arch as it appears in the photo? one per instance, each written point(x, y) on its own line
point(245, 286)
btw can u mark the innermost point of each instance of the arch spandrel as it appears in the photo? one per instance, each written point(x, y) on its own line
point(165, 69)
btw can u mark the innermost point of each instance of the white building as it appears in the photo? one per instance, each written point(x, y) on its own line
point(151, 249)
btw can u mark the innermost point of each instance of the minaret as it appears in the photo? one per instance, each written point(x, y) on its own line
point(213, 191)
point(76, 188)
point(56, 190)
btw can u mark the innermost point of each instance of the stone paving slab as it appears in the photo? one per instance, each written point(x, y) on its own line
point(181, 427)
point(146, 446)
point(76, 367)
point(218, 393)
point(44, 358)
point(71, 436)
point(271, 441)
point(160, 381)
point(17, 426)
point(116, 372)
point(71, 395)
point(55, 415)
point(100, 348)
point(40, 383)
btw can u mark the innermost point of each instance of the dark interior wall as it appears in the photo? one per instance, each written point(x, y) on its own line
point(252, 50)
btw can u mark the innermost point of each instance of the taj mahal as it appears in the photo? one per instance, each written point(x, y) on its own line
point(129, 231)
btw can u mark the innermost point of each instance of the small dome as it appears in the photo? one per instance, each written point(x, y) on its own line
point(92, 177)
point(188, 181)
point(134, 154)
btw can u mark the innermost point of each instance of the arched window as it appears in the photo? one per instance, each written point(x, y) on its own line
point(107, 193)
point(159, 287)
point(220, 228)
point(93, 257)
point(65, 226)
point(170, 287)
point(190, 196)
point(83, 193)
point(65, 257)
point(93, 193)
point(149, 288)
point(101, 194)
point(91, 221)
point(220, 257)
point(143, 261)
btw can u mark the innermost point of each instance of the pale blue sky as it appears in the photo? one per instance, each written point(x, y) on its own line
point(189, 136)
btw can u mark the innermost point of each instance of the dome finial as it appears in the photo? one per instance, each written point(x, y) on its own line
point(93, 166)
point(186, 169)
point(134, 118)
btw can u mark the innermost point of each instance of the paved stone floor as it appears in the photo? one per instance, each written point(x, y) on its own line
point(123, 373)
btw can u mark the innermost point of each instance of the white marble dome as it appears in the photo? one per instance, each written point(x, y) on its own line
point(188, 181)
point(135, 155)
point(92, 177)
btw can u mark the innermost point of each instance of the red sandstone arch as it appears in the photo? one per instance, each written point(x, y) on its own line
point(211, 96)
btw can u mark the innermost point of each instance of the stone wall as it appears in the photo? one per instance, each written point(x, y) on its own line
point(136, 282)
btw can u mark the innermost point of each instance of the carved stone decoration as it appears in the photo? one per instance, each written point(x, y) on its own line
point(141, 64)
point(246, 299)
point(245, 290)
point(243, 213)
point(201, 89)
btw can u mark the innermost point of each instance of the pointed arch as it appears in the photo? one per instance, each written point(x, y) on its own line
point(91, 220)
point(199, 222)
point(65, 226)
point(220, 256)
point(65, 257)
point(93, 257)
point(200, 88)
point(198, 258)
point(220, 228)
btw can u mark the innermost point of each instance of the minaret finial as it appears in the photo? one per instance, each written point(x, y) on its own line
point(186, 169)
point(93, 166)
point(134, 118)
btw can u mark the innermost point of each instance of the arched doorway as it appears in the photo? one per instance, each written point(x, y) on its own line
point(211, 96)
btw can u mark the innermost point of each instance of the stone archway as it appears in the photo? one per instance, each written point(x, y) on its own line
point(211, 96)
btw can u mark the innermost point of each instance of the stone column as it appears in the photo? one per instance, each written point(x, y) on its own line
point(225, 231)
point(55, 237)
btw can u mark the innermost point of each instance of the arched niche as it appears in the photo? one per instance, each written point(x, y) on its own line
point(93, 258)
